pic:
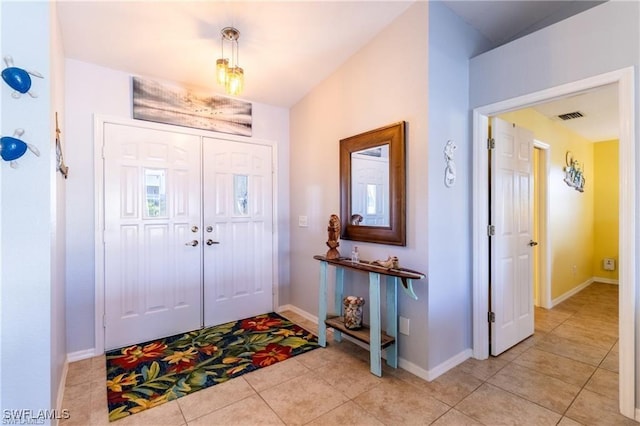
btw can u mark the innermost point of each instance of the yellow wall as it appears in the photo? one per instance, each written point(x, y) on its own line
point(571, 213)
point(606, 187)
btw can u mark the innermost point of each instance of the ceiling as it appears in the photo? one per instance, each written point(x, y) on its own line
point(286, 47)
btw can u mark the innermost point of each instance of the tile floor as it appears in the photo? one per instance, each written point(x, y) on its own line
point(566, 374)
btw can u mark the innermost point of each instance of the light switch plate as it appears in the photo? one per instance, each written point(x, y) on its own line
point(403, 326)
point(302, 221)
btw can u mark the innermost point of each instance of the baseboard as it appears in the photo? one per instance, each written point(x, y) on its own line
point(605, 280)
point(61, 386)
point(452, 362)
point(571, 292)
point(80, 355)
point(298, 311)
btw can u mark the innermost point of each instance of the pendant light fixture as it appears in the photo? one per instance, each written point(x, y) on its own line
point(229, 73)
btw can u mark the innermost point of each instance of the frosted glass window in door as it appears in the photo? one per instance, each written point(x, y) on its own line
point(156, 192)
point(241, 195)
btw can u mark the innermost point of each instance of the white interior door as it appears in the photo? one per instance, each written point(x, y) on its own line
point(511, 252)
point(238, 225)
point(152, 215)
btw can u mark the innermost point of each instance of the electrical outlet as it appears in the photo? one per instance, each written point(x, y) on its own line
point(574, 270)
point(403, 326)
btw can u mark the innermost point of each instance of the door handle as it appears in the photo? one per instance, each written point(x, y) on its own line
point(210, 242)
point(192, 243)
point(533, 243)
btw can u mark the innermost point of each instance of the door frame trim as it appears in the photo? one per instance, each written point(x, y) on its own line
point(544, 237)
point(99, 121)
point(627, 278)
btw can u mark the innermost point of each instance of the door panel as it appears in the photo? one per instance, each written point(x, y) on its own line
point(152, 200)
point(238, 211)
point(511, 254)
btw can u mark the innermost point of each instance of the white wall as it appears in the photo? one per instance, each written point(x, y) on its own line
point(383, 83)
point(451, 43)
point(31, 274)
point(91, 89)
point(599, 40)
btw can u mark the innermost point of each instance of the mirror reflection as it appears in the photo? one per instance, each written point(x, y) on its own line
point(370, 186)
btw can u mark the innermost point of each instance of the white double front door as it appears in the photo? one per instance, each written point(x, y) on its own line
point(188, 238)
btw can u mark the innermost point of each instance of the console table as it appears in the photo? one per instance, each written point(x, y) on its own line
point(373, 335)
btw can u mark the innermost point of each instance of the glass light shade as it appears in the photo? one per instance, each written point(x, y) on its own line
point(235, 80)
point(222, 66)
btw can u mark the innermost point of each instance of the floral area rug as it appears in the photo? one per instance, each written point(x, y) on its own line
point(152, 373)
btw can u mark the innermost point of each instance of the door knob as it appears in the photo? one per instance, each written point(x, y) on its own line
point(210, 242)
point(533, 243)
point(192, 243)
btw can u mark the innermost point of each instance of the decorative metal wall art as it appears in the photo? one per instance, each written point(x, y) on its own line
point(573, 174)
point(62, 168)
point(12, 148)
point(18, 79)
point(450, 167)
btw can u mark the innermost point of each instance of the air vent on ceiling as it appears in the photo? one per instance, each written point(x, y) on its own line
point(570, 115)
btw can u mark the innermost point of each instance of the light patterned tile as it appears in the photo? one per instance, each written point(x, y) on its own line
point(250, 411)
point(544, 390)
point(566, 421)
point(302, 399)
point(590, 408)
point(494, 406)
point(605, 383)
point(396, 402)
point(602, 327)
point(611, 362)
point(202, 402)
point(79, 372)
point(347, 414)
point(585, 336)
point(168, 414)
point(321, 357)
point(565, 369)
point(350, 377)
point(454, 417)
point(482, 369)
point(275, 374)
point(571, 349)
point(453, 386)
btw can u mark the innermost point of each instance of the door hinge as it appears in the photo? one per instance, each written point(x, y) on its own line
point(104, 321)
point(491, 230)
point(491, 143)
point(491, 317)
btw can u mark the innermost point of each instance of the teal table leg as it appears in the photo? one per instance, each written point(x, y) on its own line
point(375, 351)
point(337, 335)
point(392, 320)
point(322, 306)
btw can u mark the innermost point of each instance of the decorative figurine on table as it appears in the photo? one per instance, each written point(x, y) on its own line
point(18, 79)
point(12, 148)
point(391, 262)
point(334, 235)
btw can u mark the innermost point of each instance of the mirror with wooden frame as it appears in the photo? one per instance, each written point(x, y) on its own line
point(373, 186)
